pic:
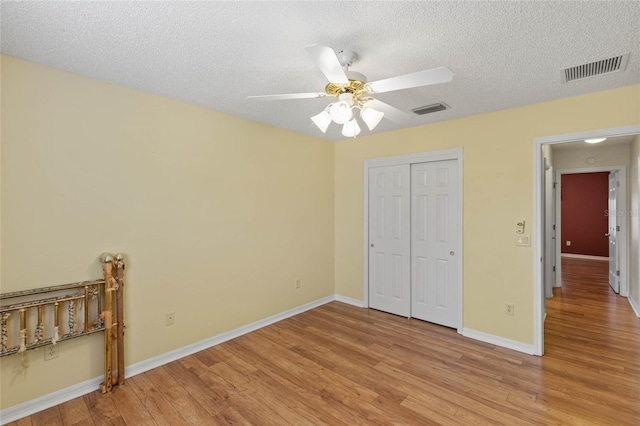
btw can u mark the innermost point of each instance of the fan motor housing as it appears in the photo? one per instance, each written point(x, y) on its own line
point(355, 87)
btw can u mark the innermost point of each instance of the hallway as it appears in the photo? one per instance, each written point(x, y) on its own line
point(591, 328)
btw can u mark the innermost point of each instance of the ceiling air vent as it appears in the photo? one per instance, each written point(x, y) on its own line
point(441, 106)
point(605, 66)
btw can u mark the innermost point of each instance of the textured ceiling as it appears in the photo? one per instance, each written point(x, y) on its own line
point(215, 54)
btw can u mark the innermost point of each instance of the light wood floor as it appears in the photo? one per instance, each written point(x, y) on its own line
point(339, 364)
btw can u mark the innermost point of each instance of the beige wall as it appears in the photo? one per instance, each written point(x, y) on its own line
point(498, 190)
point(634, 276)
point(576, 156)
point(218, 215)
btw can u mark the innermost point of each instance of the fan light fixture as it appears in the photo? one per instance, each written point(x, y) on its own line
point(354, 91)
point(371, 117)
point(595, 140)
point(322, 120)
point(351, 129)
point(344, 112)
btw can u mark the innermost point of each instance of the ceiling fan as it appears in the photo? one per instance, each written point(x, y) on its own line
point(353, 91)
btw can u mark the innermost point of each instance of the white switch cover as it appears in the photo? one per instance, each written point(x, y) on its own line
point(568, 243)
point(523, 240)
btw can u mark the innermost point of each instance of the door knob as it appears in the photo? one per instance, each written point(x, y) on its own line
point(372, 245)
point(452, 252)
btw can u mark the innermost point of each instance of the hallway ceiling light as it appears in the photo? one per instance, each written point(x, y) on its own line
point(595, 140)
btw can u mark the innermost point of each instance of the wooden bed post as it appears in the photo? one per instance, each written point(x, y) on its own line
point(107, 316)
point(119, 263)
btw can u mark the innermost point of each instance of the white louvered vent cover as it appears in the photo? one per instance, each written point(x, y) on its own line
point(605, 66)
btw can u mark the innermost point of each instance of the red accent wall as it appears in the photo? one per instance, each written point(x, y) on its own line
point(585, 199)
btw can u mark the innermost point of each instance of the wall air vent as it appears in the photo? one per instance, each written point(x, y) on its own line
point(605, 66)
point(428, 109)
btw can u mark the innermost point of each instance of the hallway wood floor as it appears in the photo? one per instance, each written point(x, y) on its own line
point(338, 364)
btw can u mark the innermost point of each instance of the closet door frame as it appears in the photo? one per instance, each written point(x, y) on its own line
point(421, 157)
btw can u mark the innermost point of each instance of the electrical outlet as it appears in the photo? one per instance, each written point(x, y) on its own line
point(51, 352)
point(298, 283)
point(509, 308)
point(568, 243)
point(171, 318)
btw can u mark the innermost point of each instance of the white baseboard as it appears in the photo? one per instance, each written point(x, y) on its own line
point(584, 256)
point(349, 301)
point(63, 395)
point(19, 411)
point(498, 341)
point(635, 306)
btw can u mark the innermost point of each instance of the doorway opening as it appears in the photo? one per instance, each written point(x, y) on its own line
point(544, 225)
point(587, 222)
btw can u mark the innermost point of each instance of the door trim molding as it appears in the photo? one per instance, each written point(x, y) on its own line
point(634, 306)
point(538, 273)
point(622, 170)
point(420, 157)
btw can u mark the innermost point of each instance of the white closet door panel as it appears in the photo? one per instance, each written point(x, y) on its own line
point(390, 239)
point(434, 246)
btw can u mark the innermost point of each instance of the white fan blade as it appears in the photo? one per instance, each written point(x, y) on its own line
point(287, 96)
point(328, 62)
point(391, 113)
point(416, 79)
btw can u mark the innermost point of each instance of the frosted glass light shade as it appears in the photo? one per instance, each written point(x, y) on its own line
point(341, 112)
point(595, 140)
point(322, 120)
point(371, 117)
point(351, 129)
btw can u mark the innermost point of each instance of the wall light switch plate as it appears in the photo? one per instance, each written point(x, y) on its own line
point(523, 240)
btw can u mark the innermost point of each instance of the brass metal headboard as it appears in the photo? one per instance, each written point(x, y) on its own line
point(30, 319)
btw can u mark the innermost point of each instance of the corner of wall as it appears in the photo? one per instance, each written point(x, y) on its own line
point(634, 264)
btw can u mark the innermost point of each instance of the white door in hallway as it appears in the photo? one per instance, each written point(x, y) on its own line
point(389, 239)
point(434, 243)
point(614, 254)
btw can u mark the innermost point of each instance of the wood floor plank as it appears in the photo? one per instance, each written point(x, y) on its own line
point(230, 417)
point(25, 421)
point(276, 398)
point(49, 417)
point(103, 410)
point(212, 400)
point(130, 407)
point(165, 383)
point(343, 365)
point(154, 401)
point(192, 411)
point(430, 412)
point(75, 412)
